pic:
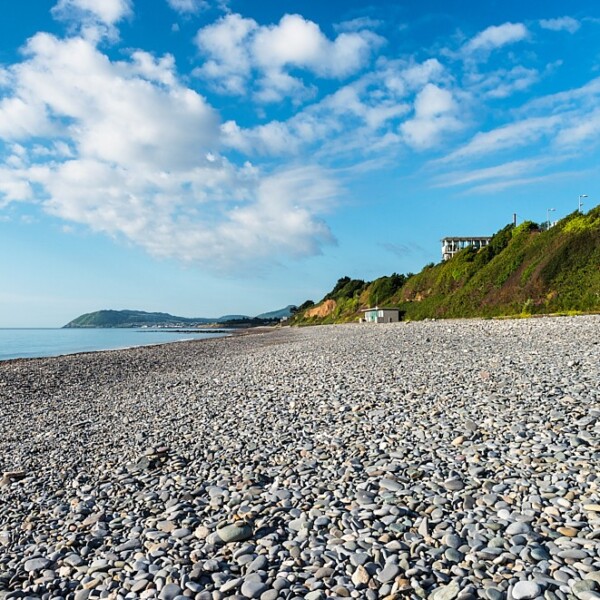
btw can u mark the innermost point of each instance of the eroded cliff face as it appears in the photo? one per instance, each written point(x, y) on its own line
point(324, 309)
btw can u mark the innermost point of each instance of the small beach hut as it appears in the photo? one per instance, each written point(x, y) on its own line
point(381, 315)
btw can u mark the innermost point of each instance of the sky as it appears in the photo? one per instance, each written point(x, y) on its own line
point(208, 157)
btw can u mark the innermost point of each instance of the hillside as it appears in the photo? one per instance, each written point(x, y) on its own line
point(139, 318)
point(278, 314)
point(524, 270)
point(132, 318)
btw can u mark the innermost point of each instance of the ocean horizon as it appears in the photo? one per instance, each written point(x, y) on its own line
point(45, 342)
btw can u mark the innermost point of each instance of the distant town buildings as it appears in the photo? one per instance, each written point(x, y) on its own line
point(452, 245)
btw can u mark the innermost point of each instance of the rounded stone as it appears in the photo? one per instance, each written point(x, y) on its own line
point(526, 590)
point(235, 532)
point(252, 588)
point(37, 564)
point(170, 592)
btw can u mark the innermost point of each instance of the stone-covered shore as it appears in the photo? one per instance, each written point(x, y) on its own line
point(439, 460)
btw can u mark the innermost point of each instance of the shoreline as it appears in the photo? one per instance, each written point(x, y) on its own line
point(449, 460)
point(260, 329)
point(213, 335)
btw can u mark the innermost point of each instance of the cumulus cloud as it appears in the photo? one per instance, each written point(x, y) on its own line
point(434, 115)
point(20, 119)
point(131, 152)
point(495, 37)
point(235, 48)
point(14, 186)
point(283, 215)
point(107, 11)
point(4, 77)
point(360, 116)
point(297, 42)
point(96, 19)
point(265, 217)
point(419, 74)
point(562, 24)
point(126, 148)
point(226, 46)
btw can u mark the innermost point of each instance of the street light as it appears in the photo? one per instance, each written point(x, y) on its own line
point(548, 211)
point(580, 202)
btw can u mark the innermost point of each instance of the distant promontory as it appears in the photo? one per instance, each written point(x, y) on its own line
point(140, 318)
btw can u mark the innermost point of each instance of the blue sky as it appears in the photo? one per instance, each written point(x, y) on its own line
point(204, 157)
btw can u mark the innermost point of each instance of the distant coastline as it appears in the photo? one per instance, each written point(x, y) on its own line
point(108, 318)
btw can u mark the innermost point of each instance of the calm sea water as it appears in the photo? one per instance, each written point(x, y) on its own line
point(30, 343)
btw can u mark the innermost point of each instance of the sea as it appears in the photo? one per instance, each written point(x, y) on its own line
point(35, 343)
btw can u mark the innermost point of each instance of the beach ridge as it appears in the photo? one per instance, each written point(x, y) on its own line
point(446, 459)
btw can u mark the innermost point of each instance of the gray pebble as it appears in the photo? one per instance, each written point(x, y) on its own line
point(525, 590)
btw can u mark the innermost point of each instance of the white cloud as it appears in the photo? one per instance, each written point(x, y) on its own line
point(502, 83)
point(276, 85)
point(435, 110)
point(504, 184)
point(294, 41)
point(358, 24)
point(148, 67)
point(503, 172)
point(362, 116)
point(418, 75)
point(127, 149)
point(298, 42)
point(106, 11)
point(433, 101)
point(96, 18)
point(4, 77)
point(226, 44)
point(236, 47)
point(14, 186)
point(188, 6)
point(283, 216)
point(273, 216)
point(548, 131)
point(120, 111)
point(494, 37)
point(562, 24)
point(581, 131)
point(584, 98)
point(275, 138)
point(513, 135)
point(131, 152)
point(20, 119)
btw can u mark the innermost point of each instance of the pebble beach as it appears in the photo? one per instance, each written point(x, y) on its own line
point(439, 460)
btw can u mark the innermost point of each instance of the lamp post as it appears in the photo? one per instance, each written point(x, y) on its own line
point(580, 202)
point(548, 211)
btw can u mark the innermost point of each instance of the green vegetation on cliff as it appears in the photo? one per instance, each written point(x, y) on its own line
point(523, 271)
